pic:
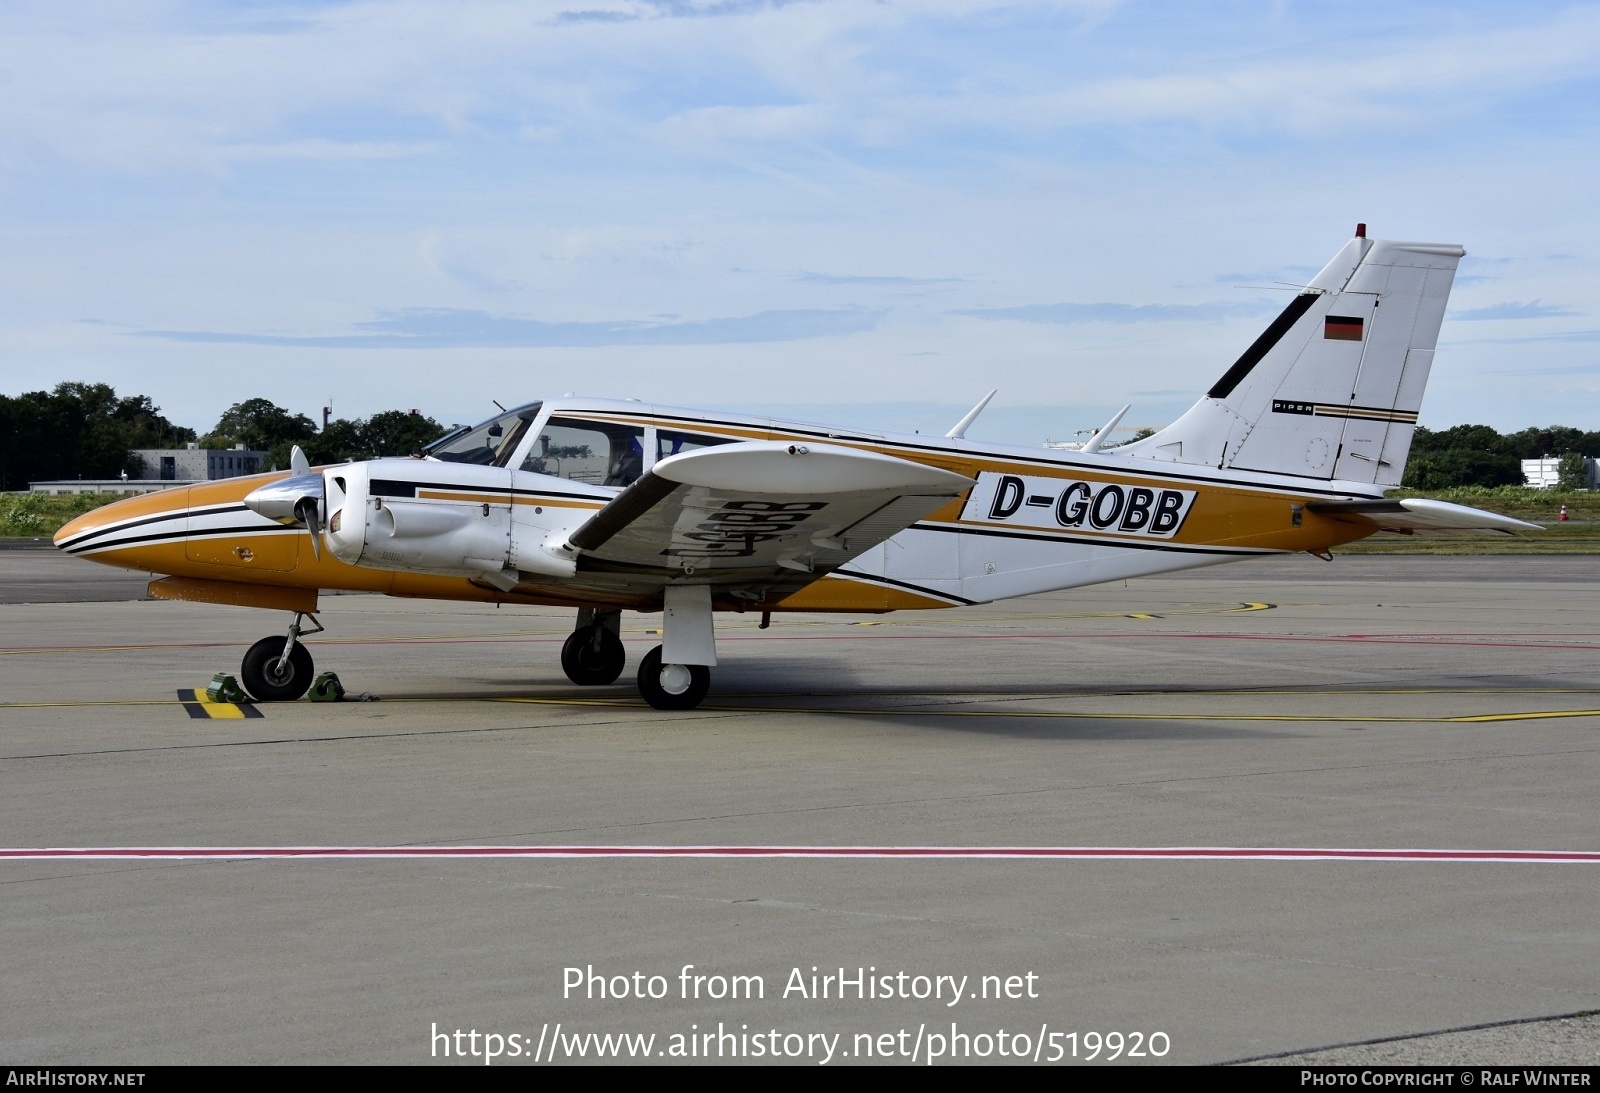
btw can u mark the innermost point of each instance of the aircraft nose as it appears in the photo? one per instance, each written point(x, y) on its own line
point(77, 526)
point(80, 526)
point(135, 533)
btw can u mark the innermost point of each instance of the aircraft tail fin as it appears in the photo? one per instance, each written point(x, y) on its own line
point(1332, 388)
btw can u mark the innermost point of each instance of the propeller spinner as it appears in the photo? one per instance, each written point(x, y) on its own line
point(293, 500)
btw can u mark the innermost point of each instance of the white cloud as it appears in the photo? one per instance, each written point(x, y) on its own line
point(282, 171)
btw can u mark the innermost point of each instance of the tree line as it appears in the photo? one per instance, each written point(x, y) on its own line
point(260, 425)
point(1477, 455)
point(84, 430)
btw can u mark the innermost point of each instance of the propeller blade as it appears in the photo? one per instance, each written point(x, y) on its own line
point(308, 510)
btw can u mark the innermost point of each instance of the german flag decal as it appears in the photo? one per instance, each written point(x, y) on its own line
point(1342, 328)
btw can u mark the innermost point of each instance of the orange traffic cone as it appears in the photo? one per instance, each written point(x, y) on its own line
point(1563, 517)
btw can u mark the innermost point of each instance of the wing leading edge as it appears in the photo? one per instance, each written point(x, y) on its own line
point(736, 511)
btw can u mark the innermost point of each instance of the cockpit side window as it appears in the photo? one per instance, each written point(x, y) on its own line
point(490, 444)
point(600, 452)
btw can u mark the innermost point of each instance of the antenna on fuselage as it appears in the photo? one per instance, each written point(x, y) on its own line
point(960, 430)
point(1100, 438)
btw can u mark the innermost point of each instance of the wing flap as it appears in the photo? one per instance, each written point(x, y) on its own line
point(1422, 514)
point(764, 506)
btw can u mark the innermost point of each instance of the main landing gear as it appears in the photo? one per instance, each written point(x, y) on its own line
point(593, 654)
point(675, 675)
point(279, 669)
point(672, 686)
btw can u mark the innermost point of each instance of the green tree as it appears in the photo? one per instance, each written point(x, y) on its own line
point(1423, 439)
point(261, 425)
point(396, 432)
point(1477, 438)
point(1461, 467)
point(77, 430)
point(339, 442)
point(1536, 443)
point(1572, 473)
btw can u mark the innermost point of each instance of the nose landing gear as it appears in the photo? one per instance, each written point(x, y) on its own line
point(280, 669)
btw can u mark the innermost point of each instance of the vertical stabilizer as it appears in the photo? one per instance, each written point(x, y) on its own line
point(1332, 388)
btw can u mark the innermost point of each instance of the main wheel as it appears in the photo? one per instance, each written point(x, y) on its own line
point(593, 656)
point(266, 681)
point(672, 686)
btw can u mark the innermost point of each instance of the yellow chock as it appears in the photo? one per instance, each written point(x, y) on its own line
point(327, 688)
point(225, 688)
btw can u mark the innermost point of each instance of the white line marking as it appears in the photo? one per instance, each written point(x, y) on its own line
point(1080, 853)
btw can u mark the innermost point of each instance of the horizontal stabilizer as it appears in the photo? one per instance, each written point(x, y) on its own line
point(1422, 514)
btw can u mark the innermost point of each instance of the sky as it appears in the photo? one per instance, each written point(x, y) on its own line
point(862, 212)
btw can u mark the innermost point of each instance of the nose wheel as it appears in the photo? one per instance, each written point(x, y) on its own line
point(672, 686)
point(279, 669)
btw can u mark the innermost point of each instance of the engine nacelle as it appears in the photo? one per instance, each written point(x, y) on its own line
point(447, 519)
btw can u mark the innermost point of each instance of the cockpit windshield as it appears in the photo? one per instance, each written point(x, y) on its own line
point(489, 444)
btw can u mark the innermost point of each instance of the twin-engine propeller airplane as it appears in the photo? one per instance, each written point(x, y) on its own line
point(608, 506)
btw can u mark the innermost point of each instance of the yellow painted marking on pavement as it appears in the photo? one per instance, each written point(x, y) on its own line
point(220, 711)
point(919, 711)
point(909, 711)
point(199, 705)
point(110, 702)
point(1526, 716)
point(1180, 693)
point(1242, 608)
point(70, 649)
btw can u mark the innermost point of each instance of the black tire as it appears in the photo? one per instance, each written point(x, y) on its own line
point(589, 666)
point(662, 699)
point(265, 681)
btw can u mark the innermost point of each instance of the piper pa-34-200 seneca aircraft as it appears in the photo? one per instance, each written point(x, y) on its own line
point(608, 506)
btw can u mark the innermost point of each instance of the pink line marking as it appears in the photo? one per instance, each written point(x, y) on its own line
point(1154, 853)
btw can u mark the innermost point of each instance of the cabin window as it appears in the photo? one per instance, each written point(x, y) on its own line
point(672, 442)
point(600, 452)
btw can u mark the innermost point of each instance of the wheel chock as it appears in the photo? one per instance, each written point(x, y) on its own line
point(327, 688)
point(225, 688)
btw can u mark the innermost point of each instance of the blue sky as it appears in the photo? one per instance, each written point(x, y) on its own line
point(867, 212)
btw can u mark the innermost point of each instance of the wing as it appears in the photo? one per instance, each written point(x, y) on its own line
point(1421, 514)
point(762, 511)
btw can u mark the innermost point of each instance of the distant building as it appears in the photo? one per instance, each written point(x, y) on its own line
point(155, 469)
point(197, 464)
point(1542, 474)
